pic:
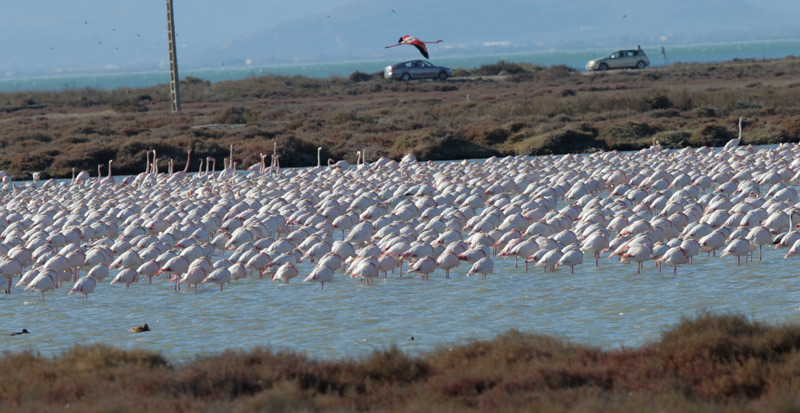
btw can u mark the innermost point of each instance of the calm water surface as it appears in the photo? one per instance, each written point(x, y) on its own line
point(608, 306)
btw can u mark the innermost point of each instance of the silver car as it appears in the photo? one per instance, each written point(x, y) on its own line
point(634, 58)
point(416, 69)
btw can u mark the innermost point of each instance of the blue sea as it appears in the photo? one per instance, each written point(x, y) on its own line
point(698, 53)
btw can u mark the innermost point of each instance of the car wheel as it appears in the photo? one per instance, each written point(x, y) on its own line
point(640, 65)
point(406, 77)
point(603, 66)
point(442, 75)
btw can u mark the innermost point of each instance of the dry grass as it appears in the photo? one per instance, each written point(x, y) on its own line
point(707, 363)
point(500, 109)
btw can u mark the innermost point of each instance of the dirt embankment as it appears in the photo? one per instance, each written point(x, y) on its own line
point(501, 109)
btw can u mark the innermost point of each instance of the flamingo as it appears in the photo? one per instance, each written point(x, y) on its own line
point(424, 266)
point(180, 175)
point(571, 259)
point(482, 266)
point(127, 276)
point(674, 256)
point(45, 281)
point(149, 269)
point(413, 41)
point(58, 264)
point(365, 269)
point(737, 247)
point(286, 272)
point(523, 249)
point(84, 286)
point(550, 259)
point(321, 274)
point(447, 260)
point(219, 276)
point(98, 272)
point(637, 253)
point(10, 268)
point(733, 143)
point(176, 266)
point(594, 244)
point(109, 179)
point(194, 275)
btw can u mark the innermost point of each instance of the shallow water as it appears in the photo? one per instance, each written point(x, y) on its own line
point(608, 306)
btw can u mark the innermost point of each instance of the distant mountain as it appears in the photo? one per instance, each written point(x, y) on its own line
point(361, 29)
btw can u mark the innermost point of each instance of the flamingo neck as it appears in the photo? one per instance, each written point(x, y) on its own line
point(188, 159)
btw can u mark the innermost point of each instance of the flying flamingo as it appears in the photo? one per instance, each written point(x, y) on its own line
point(413, 41)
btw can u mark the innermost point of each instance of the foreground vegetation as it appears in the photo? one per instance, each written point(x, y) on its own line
point(500, 109)
point(709, 363)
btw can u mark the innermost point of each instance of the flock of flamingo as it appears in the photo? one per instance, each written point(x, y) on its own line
point(365, 220)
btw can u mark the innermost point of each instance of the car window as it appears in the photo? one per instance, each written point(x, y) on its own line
point(427, 64)
point(408, 64)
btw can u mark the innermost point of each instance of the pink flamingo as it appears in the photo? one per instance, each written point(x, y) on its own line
point(413, 41)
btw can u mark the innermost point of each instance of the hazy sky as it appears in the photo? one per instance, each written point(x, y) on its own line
point(59, 36)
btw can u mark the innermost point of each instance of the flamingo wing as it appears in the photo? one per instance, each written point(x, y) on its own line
point(420, 46)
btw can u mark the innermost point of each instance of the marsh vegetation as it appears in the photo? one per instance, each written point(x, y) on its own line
point(707, 363)
point(500, 109)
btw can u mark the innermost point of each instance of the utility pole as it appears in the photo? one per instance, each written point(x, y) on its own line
point(174, 82)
